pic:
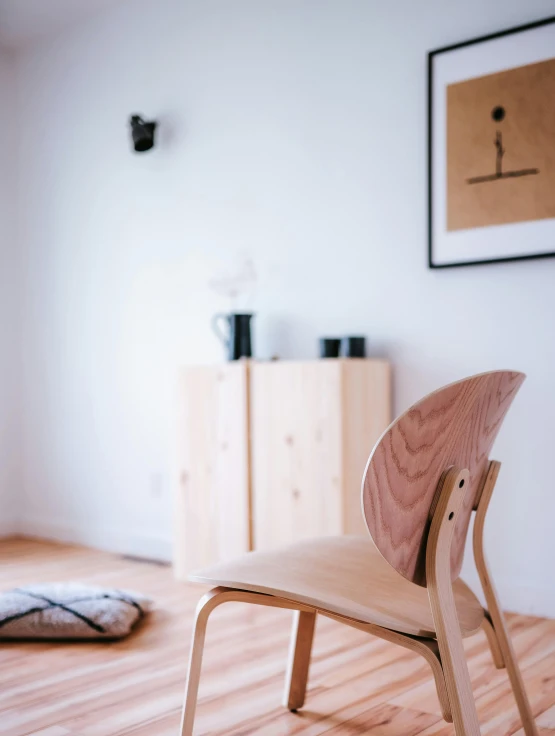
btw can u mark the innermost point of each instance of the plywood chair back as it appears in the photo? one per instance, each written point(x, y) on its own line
point(452, 427)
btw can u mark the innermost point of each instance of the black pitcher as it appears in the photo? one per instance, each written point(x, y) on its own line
point(237, 337)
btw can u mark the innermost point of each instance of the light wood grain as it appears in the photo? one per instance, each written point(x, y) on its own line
point(296, 451)
point(427, 648)
point(195, 662)
point(298, 663)
point(358, 684)
point(300, 649)
point(345, 575)
point(207, 604)
point(453, 487)
point(212, 512)
point(313, 427)
point(365, 412)
point(454, 426)
point(492, 601)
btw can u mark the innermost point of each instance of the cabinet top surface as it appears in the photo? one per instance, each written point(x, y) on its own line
point(300, 363)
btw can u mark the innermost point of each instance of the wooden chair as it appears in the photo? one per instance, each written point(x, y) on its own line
point(427, 474)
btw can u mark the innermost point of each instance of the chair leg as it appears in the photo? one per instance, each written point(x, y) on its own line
point(205, 607)
point(299, 659)
point(457, 680)
point(427, 648)
point(493, 641)
point(513, 670)
point(495, 612)
point(442, 602)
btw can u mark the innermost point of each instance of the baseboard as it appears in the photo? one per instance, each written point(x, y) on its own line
point(518, 597)
point(125, 542)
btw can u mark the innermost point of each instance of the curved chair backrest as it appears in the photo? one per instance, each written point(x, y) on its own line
point(454, 426)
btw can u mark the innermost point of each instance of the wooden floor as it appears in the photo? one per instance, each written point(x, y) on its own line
point(358, 684)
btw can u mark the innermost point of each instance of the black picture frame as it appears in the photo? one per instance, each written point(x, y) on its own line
point(431, 56)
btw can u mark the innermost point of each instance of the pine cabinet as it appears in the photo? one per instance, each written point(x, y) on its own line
point(272, 453)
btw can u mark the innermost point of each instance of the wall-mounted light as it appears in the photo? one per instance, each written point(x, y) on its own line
point(142, 133)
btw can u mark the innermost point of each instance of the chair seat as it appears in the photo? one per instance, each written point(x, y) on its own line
point(346, 576)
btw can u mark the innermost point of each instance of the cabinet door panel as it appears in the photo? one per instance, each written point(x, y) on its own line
point(296, 451)
point(212, 508)
point(366, 414)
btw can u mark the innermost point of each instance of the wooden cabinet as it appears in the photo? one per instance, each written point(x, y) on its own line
point(212, 510)
point(271, 453)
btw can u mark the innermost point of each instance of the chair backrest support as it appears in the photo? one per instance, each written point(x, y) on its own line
point(454, 426)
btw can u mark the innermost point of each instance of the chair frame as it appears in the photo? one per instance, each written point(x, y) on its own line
point(445, 653)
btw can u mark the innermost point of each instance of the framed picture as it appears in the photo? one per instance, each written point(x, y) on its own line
point(491, 148)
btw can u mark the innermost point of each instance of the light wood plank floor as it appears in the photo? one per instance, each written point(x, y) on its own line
point(358, 684)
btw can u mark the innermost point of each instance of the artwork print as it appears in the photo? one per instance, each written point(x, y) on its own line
point(501, 147)
point(492, 148)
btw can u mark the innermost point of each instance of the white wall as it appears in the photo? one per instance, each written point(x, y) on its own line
point(293, 131)
point(9, 296)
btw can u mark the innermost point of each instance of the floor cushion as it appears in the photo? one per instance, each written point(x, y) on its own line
point(69, 611)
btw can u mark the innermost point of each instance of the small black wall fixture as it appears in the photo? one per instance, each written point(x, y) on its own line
point(142, 133)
